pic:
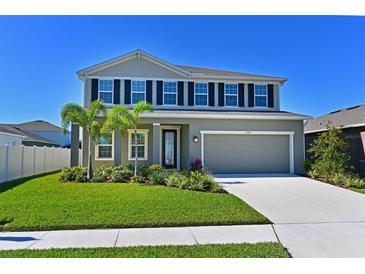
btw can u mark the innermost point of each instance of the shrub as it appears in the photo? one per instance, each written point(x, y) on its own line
point(308, 165)
point(74, 174)
point(354, 181)
point(155, 168)
point(175, 179)
point(202, 182)
point(143, 171)
point(338, 179)
point(102, 174)
point(196, 165)
point(121, 174)
point(329, 153)
point(157, 177)
point(137, 180)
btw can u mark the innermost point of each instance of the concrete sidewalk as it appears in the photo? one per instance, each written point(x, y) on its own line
point(137, 236)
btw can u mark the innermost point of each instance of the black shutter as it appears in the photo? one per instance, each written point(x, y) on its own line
point(94, 89)
point(127, 92)
point(159, 93)
point(180, 93)
point(241, 95)
point(251, 95)
point(221, 94)
point(149, 91)
point(116, 99)
point(211, 94)
point(270, 95)
point(191, 93)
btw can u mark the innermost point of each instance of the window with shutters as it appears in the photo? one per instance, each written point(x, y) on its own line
point(141, 142)
point(169, 93)
point(260, 95)
point(231, 95)
point(104, 148)
point(201, 94)
point(138, 91)
point(106, 91)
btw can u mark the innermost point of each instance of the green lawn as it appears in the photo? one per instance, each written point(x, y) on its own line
point(42, 203)
point(259, 250)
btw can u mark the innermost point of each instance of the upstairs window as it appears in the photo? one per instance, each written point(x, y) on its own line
point(138, 91)
point(104, 148)
point(260, 95)
point(169, 93)
point(231, 95)
point(106, 91)
point(201, 94)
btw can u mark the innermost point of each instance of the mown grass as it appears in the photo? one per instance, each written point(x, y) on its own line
point(42, 203)
point(259, 250)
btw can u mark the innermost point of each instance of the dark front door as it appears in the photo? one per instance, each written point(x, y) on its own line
point(169, 147)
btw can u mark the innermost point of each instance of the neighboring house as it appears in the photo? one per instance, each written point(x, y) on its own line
point(232, 121)
point(9, 137)
point(38, 133)
point(352, 121)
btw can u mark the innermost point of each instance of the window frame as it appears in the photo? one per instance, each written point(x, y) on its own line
point(97, 150)
point(206, 94)
point(266, 96)
point(105, 91)
point(225, 95)
point(130, 132)
point(164, 92)
point(144, 93)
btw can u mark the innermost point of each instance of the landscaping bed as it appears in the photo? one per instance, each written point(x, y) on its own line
point(259, 250)
point(43, 203)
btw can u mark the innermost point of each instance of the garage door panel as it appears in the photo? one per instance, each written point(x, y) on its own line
point(247, 153)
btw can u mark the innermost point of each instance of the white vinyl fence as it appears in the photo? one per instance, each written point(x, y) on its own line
point(23, 161)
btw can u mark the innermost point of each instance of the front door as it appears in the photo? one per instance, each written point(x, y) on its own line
point(169, 148)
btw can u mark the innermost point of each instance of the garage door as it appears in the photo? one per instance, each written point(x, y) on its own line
point(225, 153)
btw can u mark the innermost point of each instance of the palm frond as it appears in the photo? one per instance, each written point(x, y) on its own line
point(96, 107)
point(73, 113)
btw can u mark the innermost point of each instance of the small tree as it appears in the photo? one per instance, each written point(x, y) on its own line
point(329, 153)
point(121, 118)
point(87, 119)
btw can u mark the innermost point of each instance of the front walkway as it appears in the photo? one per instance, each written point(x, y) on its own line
point(137, 236)
point(311, 218)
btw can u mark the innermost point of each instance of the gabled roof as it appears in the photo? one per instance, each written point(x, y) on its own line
point(186, 71)
point(38, 125)
point(348, 117)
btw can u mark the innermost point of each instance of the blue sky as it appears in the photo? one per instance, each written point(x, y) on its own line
point(323, 57)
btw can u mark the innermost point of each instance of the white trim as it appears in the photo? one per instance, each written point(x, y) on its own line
point(163, 93)
point(177, 128)
point(12, 134)
point(96, 156)
point(145, 90)
point(207, 115)
point(195, 105)
point(267, 96)
point(345, 126)
point(290, 134)
point(144, 131)
point(106, 91)
point(225, 105)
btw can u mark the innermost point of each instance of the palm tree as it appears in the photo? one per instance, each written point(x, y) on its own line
point(121, 118)
point(88, 120)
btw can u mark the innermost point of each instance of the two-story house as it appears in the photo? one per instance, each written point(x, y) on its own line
point(230, 120)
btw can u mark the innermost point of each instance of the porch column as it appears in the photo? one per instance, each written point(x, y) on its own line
point(75, 140)
point(156, 143)
point(117, 148)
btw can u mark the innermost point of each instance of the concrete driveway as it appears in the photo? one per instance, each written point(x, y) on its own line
point(311, 219)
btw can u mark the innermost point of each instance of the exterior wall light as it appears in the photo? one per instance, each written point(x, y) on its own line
point(196, 139)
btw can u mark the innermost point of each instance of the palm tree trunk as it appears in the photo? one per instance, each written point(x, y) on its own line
point(135, 153)
point(89, 166)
